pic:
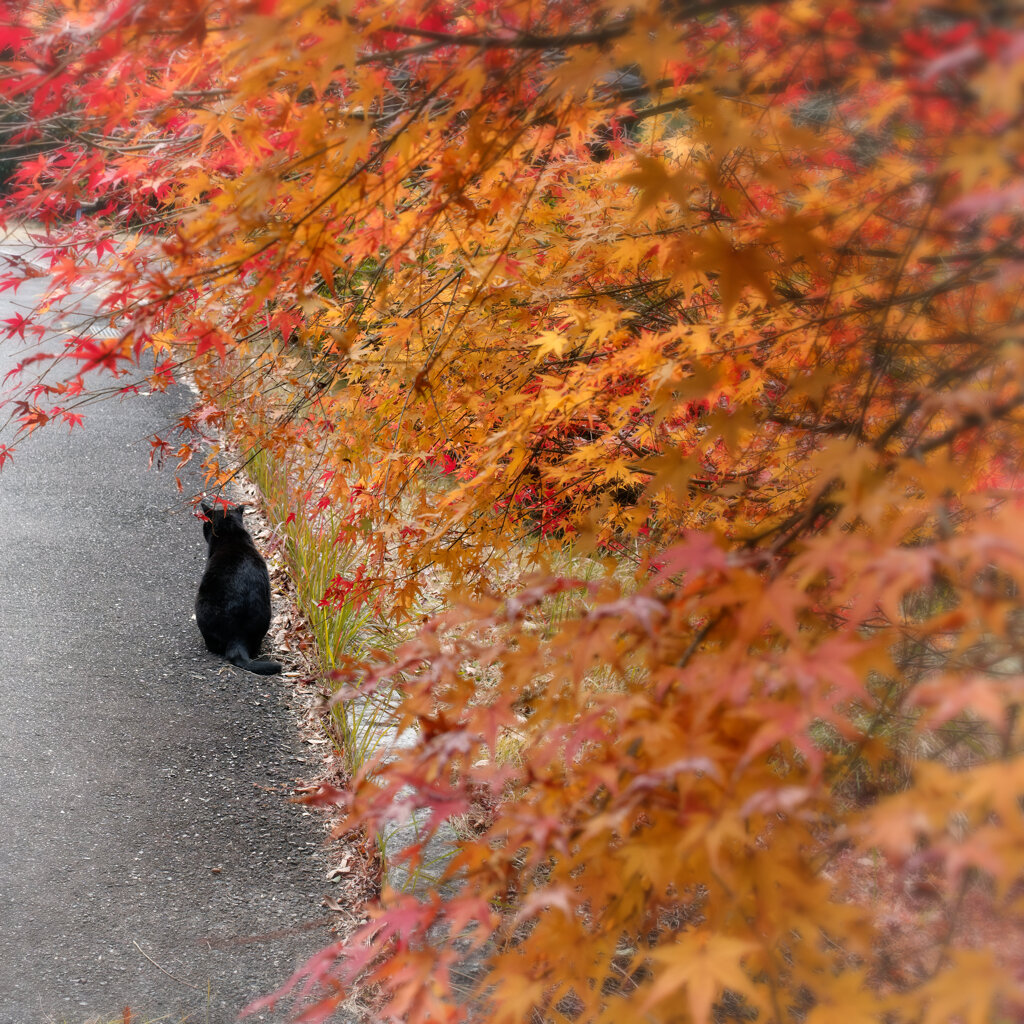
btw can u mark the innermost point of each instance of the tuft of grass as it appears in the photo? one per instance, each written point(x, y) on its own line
point(342, 629)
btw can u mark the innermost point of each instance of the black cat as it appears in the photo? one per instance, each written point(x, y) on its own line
point(233, 603)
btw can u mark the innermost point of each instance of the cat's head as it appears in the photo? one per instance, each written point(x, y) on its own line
point(219, 520)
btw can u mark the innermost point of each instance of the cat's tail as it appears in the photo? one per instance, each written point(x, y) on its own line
point(238, 655)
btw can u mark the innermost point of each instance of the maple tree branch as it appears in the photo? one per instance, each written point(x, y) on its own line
point(422, 375)
point(393, 56)
point(520, 40)
point(532, 41)
point(969, 422)
point(699, 637)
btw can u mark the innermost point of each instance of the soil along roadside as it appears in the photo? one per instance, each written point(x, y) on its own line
point(150, 857)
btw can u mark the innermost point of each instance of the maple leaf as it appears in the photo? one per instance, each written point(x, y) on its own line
point(966, 989)
point(549, 343)
point(32, 418)
point(16, 325)
point(72, 419)
point(851, 995)
point(36, 357)
point(105, 354)
point(655, 182)
point(211, 338)
point(703, 964)
point(515, 1000)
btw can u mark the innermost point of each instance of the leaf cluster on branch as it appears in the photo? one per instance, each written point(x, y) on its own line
point(672, 350)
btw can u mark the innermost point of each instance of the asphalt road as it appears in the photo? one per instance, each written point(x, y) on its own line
point(148, 856)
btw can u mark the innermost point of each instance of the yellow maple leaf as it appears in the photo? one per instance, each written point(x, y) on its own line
point(703, 964)
point(965, 989)
point(847, 997)
point(655, 182)
point(548, 343)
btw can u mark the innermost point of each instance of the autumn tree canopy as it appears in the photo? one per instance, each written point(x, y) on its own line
point(671, 353)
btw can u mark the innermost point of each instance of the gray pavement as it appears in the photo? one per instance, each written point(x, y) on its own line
point(148, 855)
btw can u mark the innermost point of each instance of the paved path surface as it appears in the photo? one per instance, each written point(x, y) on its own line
point(140, 779)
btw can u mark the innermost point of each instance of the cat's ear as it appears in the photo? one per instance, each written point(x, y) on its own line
point(206, 508)
point(239, 511)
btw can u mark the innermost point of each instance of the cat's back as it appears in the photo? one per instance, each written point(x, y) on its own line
point(233, 564)
point(236, 580)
